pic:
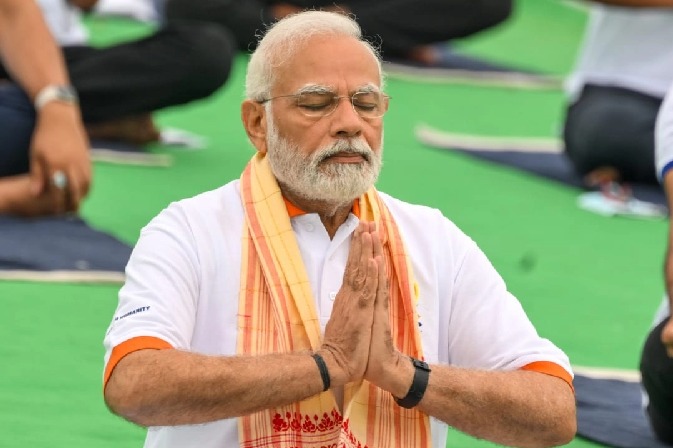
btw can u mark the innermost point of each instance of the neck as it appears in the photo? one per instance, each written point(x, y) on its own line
point(332, 215)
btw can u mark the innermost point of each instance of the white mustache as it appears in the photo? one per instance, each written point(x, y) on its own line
point(358, 147)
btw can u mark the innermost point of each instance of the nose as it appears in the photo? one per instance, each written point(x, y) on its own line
point(345, 122)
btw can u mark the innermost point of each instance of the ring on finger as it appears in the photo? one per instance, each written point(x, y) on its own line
point(59, 180)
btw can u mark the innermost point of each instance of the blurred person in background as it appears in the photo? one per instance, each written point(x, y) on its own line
point(656, 364)
point(55, 169)
point(407, 29)
point(622, 73)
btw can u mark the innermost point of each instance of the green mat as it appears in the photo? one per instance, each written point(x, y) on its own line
point(589, 283)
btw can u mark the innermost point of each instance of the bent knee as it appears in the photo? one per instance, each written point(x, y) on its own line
point(208, 56)
point(496, 11)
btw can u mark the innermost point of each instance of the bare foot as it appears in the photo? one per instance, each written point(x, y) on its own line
point(425, 54)
point(17, 199)
point(280, 10)
point(137, 130)
point(602, 175)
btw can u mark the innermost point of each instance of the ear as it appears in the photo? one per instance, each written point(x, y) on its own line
point(253, 115)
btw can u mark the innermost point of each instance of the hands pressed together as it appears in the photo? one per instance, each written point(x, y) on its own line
point(358, 341)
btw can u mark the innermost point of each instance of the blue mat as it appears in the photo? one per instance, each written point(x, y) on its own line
point(62, 248)
point(610, 412)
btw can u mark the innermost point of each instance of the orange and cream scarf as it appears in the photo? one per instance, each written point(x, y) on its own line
point(277, 315)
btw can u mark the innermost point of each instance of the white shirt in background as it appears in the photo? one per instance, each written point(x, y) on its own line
point(626, 47)
point(64, 21)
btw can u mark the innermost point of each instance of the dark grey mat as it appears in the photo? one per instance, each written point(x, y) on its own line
point(126, 154)
point(59, 249)
point(539, 156)
point(453, 66)
point(609, 412)
point(557, 167)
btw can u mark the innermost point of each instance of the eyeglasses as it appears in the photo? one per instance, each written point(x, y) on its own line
point(368, 105)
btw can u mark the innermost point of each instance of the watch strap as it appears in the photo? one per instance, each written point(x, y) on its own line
point(418, 385)
point(62, 93)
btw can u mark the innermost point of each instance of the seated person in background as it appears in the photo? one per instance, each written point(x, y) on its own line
point(622, 74)
point(120, 85)
point(60, 171)
point(656, 365)
point(298, 306)
point(407, 29)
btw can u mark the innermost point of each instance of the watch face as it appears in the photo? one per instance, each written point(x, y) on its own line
point(65, 93)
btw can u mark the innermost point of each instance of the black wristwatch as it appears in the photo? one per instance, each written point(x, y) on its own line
point(418, 385)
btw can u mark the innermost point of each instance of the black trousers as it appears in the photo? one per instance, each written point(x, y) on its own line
point(400, 24)
point(177, 64)
point(613, 126)
point(656, 369)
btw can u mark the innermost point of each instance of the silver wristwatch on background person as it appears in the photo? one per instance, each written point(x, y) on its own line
point(62, 93)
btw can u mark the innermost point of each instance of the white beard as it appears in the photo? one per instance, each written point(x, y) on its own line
point(308, 177)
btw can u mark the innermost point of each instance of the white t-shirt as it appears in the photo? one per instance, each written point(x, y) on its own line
point(663, 135)
point(183, 282)
point(64, 21)
point(626, 47)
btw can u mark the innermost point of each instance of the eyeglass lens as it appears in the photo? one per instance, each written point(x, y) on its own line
point(366, 104)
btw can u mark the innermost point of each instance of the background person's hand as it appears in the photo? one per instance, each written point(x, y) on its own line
point(348, 331)
point(60, 145)
point(667, 330)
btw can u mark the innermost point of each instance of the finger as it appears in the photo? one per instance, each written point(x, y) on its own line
point(59, 199)
point(382, 291)
point(73, 193)
point(354, 251)
point(377, 244)
point(368, 297)
point(37, 178)
point(366, 248)
point(58, 190)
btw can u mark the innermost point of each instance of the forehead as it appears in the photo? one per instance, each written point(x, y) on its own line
point(341, 62)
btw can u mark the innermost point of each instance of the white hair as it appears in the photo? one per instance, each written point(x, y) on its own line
point(287, 36)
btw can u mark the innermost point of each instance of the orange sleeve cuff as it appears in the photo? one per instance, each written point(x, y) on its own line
point(130, 346)
point(550, 368)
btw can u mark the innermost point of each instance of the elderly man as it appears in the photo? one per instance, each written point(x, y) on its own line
point(298, 306)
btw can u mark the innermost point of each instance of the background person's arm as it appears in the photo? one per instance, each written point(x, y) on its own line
point(664, 162)
point(59, 142)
